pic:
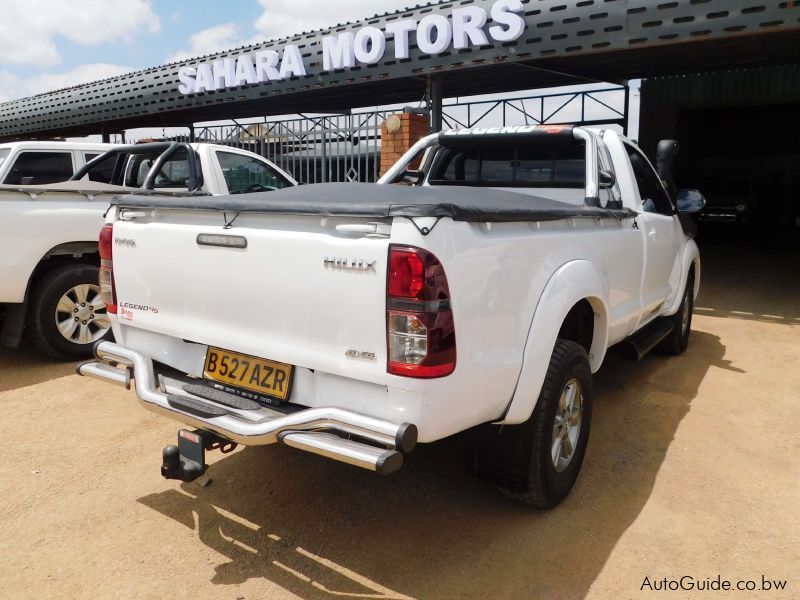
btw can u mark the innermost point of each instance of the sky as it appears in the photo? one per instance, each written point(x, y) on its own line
point(51, 44)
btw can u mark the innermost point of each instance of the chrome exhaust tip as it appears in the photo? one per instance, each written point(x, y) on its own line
point(104, 372)
point(378, 460)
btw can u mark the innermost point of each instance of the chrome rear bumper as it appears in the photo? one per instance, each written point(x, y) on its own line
point(329, 431)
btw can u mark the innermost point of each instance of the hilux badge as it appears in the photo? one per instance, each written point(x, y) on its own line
point(125, 242)
point(347, 264)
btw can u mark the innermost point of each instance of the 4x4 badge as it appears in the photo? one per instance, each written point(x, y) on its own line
point(361, 355)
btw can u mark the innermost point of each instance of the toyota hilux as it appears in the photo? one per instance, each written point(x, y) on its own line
point(477, 286)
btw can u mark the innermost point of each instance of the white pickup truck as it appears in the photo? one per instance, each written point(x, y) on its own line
point(353, 320)
point(48, 231)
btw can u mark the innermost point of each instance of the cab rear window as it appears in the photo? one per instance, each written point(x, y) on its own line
point(542, 165)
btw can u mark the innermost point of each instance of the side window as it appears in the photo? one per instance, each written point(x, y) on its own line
point(173, 174)
point(103, 172)
point(245, 174)
point(39, 168)
point(461, 165)
point(416, 163)
point(609, 197)
point(654, 198)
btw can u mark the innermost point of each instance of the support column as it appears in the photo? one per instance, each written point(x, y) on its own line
point(436, 97)
point(627, 110)
point(106, 137)
point(324, 158)
point(398, 134)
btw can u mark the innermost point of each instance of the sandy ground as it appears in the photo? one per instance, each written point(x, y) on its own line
point(692, 469)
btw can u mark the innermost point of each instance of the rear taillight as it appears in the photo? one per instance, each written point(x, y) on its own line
point(106, 246)
point(421, 336)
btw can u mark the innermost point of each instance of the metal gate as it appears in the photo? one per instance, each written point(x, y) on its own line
point(347, 148)
point(312, 149)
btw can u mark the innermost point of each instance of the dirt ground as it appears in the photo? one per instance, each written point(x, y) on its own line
point(692, 470)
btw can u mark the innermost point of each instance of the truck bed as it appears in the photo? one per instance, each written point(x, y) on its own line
point(369, 200)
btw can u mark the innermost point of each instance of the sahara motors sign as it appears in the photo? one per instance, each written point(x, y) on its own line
point(435, 34)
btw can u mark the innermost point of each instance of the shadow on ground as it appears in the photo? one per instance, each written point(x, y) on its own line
point(23, 367)
point(321, 529)
point(754, 283)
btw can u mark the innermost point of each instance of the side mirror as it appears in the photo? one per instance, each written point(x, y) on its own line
point(667, 150)
point(665, 159)
point(690, 201)
point(607, 179)
point(412, 177)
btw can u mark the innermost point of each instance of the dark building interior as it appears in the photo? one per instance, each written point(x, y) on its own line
point(739, 133)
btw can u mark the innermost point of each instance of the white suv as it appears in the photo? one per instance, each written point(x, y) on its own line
point(41, 163)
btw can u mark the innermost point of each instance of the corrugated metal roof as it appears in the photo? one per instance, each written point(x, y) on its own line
point(565, 41)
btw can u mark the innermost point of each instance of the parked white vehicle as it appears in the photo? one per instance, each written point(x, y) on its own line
point(353, 320)
point(41, 163)
point(48, 232)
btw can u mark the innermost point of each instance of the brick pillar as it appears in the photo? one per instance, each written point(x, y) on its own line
point(393, 145)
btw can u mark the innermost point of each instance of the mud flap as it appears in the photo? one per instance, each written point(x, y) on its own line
point(14, 324)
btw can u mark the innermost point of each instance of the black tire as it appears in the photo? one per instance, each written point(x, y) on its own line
point(518, 458)
point(47, 292)
point(677, 341)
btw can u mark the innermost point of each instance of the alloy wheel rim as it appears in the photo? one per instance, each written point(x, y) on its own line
point(81, 316)
point(567, 425)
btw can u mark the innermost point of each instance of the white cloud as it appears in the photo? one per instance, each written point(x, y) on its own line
point(27, 40)
point(282, 18)
point(29, 28)
point(13, 86)
point(213, 39)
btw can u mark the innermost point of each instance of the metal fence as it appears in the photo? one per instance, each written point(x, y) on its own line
point(312, 149)
point(347, 148)
point(586, 107)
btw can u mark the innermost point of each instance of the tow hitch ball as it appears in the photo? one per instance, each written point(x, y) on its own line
point(187, 461)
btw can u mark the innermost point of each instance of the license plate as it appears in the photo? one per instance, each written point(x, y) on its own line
point(251, 373)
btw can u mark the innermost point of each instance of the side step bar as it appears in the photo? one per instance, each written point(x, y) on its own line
point(643, 342)
point(327, 431)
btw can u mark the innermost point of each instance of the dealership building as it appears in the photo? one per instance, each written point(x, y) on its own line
point(721, 76)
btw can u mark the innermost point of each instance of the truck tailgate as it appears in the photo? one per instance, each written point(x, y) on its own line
point(299, 293)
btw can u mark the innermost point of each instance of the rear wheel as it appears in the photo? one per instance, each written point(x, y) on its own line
point(538, 462)
point(677, 341)
point(67, 315)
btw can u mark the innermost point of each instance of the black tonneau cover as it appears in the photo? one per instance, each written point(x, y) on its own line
point(382, 201)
